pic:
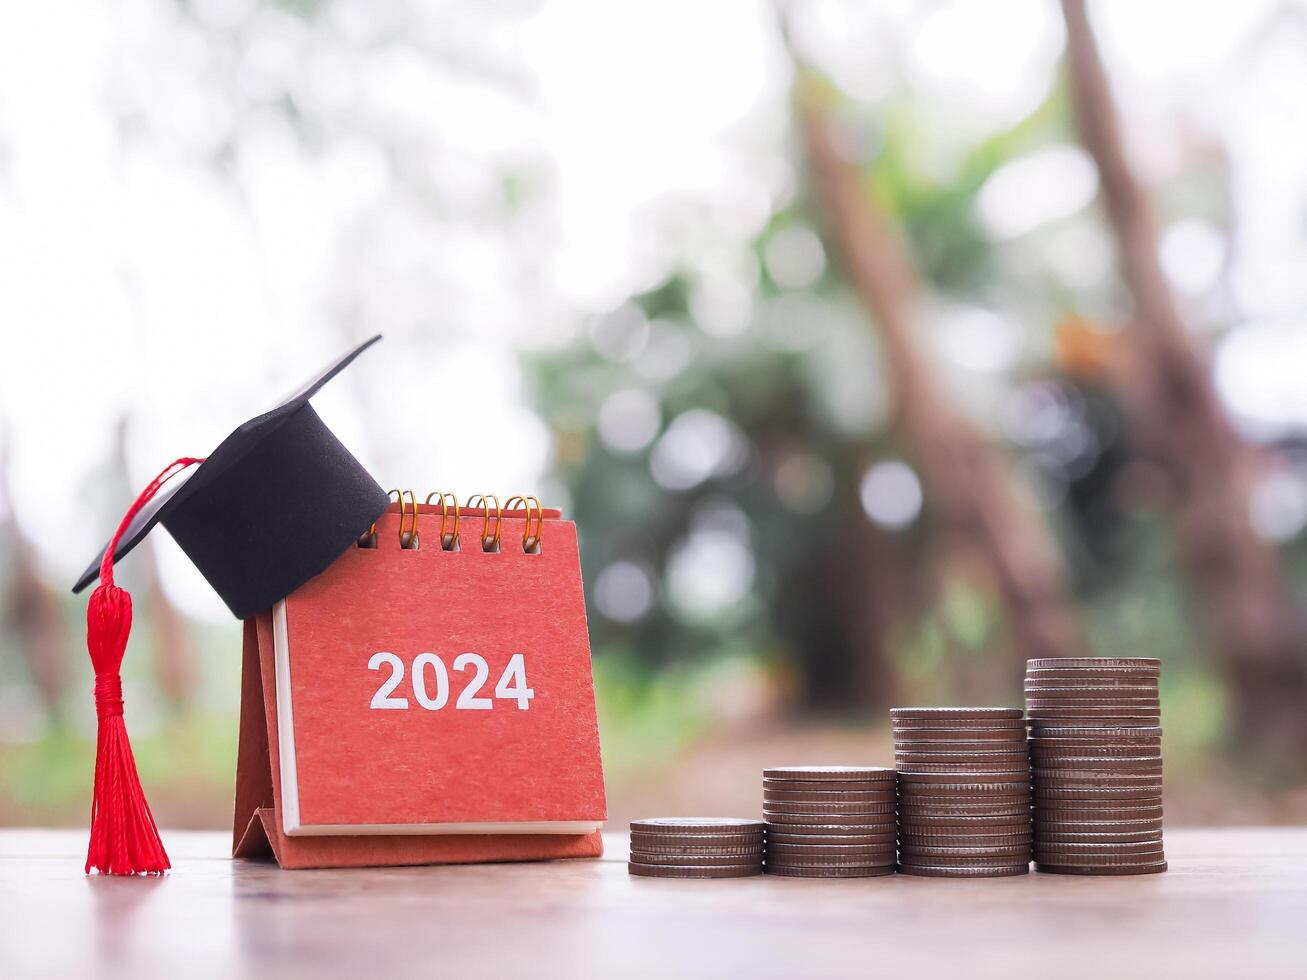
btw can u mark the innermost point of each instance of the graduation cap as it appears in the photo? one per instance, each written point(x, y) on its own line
point(275, 504)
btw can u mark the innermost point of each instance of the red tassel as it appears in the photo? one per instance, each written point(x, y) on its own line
point(124, 838)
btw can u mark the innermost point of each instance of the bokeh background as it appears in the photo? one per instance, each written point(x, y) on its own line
point(874, 346)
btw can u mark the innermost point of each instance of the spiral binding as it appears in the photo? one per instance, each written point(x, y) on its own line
point(410, 538)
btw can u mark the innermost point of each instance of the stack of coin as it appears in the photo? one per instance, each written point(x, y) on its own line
point(964, 792)
point(1096, 764)
point(829, 821)
point(696, 847)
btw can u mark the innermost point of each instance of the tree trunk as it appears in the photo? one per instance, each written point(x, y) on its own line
point(1176, 419)
point(35, 613)
point(976, 505)
point(175, 667)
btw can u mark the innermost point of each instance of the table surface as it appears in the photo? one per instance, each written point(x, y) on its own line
point(1233, 904)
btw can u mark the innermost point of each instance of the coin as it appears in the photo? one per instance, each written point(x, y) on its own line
point(1040, 708)
point(1017, 798)
point(693, 871)
point(1045, 757)
point(790, 872)
point(1049, 828)
point(822, 870)
point(909, 804)
point(1003, 753)
point(878, 795)
point(872, 823)
point(1105, 745)
point(922, 871)
point(1113, 692)
point(1074, 810)
point(1088, 799)
point(922, 833)
point(926, 832)
point(1144, 766)
point(914, 822)
point(968, 840)
point(778, 807)
point(1017, 818)
point(854, 837)
point(707, 825)
point(1098, 783)
point(695, 840)
point(931, 779)
point(971, 768)
point(1040, 726)
point(1017, 825)
point(810, 850)
point(787, 796)
point(880, 860)
point(1089, 687)
point(828, 785)
point(1071, 869)
point(1099, 847)
point(915, 851)
point(1093, 663)
point(1069, 759)
point(1097, 787)
point(1041, 718)
point(1093, 695)
point(1017, 808)
point(929, 796)
point(822, 773)
point(706, 851)
point(1132, 859)
point(1047, 817)
point(677, 859)
point(1096, 732)
point(831, 840)
point(1109, 687)
point(1136, 837)
point(966, 860)
point(1076, 678)
point(959, 724)
point(963, 737)
point(833, 819)
point(951, 713)
point(1012, 759)
point(1127, 675)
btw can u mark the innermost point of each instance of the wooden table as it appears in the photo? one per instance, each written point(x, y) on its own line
point(1234, 904)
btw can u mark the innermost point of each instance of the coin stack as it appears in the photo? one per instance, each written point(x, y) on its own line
point(829, 821)
point(964, 792)
point(1096, 764)
point(696, 847)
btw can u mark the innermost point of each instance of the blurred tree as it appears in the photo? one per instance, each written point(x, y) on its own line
point(985, 530)
point(1176, 419)
point(170, 632)
point(32, 613)
point(750, 476)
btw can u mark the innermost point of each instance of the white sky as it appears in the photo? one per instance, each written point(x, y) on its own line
point(135, 277)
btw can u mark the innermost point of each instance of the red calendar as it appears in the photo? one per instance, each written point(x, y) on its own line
point(428, 698)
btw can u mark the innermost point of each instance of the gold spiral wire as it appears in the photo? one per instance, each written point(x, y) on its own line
point(408, 541)
point(450, 511)
point(448, 537)
point(488, 542)
point(530, 542)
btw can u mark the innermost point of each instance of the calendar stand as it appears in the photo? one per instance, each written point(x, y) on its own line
point(256, 830)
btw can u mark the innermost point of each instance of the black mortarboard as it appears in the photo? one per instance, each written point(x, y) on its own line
point(275, 504)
